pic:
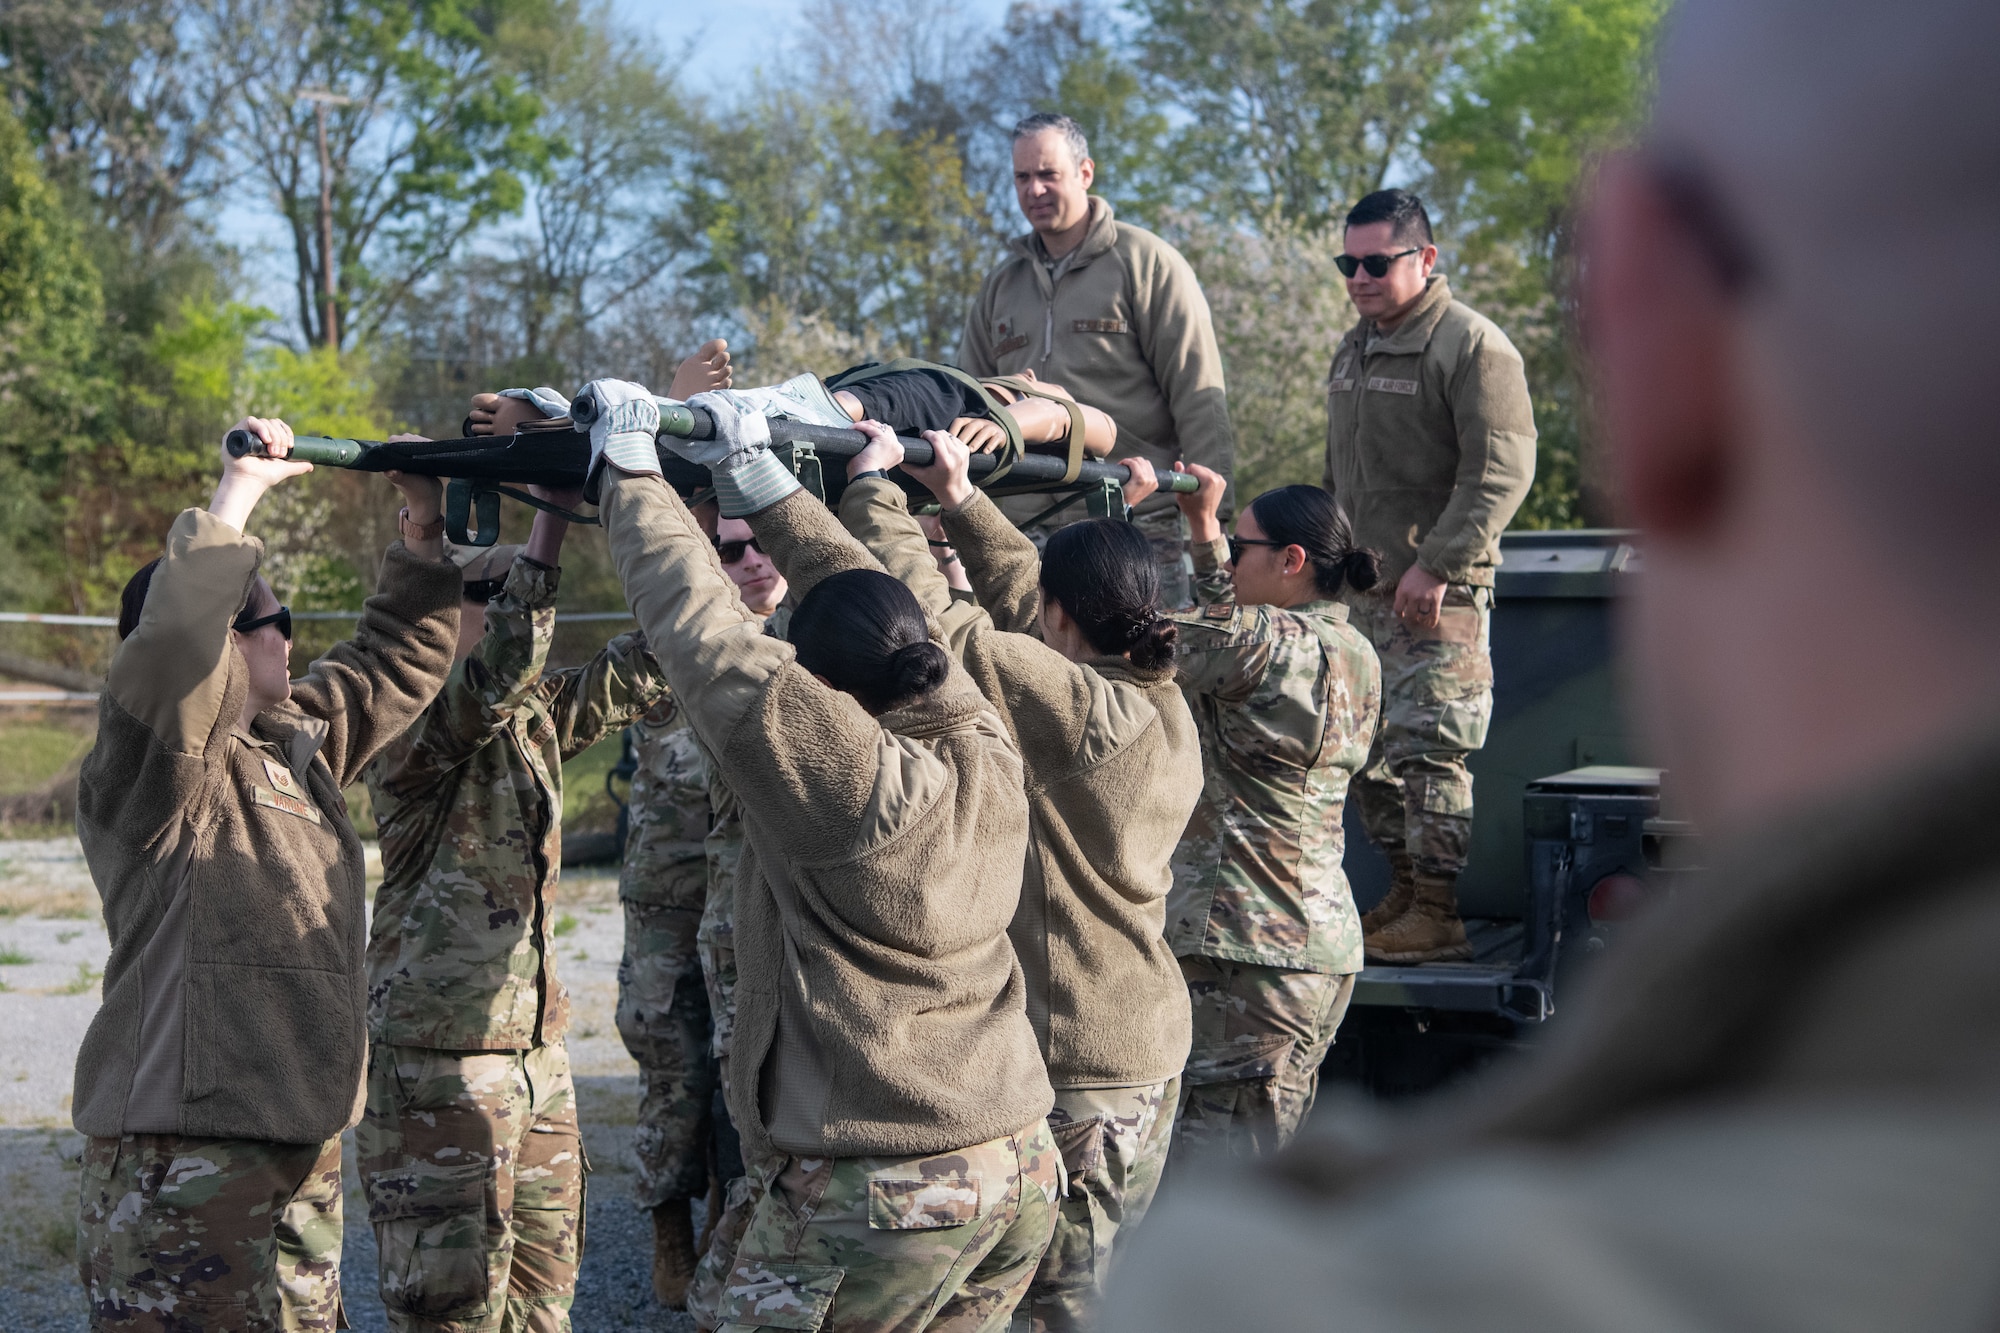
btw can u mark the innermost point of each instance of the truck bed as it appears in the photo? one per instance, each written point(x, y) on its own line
point(1486, 984)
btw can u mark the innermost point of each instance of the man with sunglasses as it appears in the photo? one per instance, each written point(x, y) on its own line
point(1430, 448)
point(469, 1146)
point(676, 980)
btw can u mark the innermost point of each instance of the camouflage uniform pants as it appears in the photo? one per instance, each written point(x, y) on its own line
point(1260, 1034)
point(663, 1017)
point(1113, 1143)
point(1437, 701)
point(475, 1179)
point(1167, 532)
point(200, 1235)
point(895, 1245)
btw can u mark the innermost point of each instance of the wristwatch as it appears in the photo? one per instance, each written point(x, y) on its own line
point(414, 531)
point(871, 472)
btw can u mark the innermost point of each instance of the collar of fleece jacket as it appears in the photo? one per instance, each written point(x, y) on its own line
point(952, 706)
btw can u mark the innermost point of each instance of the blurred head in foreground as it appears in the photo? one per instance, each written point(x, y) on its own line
point(1790, 301)
point(1773, 1105)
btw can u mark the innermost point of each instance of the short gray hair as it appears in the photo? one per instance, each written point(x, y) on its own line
point(1072, 133)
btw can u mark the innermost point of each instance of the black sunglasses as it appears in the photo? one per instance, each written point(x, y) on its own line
point(483, 590)
point(1236, 545)
point(245, 623)
point(1377, 265)
point(731, 552)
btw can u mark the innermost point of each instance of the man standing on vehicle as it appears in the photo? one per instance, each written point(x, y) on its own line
point(1430, 448)
point(1113, 313)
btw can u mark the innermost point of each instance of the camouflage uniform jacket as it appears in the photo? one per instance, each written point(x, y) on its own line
point(680, 809)
point(468, 805)
point(1286, 702)
point(668, 814)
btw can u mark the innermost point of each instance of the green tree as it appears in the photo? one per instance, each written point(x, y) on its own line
point(431, 132)
point(51, 399)
point(1297, 108)
point(1563, 79)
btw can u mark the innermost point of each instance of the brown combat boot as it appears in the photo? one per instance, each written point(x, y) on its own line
point(673, 1252)
point(1430, 932)
point(1402, 890)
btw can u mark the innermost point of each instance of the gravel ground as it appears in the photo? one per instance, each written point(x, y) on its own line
point(52, 951)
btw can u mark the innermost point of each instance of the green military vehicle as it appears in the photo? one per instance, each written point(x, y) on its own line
point(1569, 836)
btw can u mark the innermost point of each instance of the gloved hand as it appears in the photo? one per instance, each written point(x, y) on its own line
point(623, 421)
point(748, 478)
point(546, 400)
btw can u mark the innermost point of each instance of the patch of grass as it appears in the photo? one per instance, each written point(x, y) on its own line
point(58, 1237)
point(32, 752)
point(65, 936)
point(13, 957)
point(581, 956)
point(361, 811)
point(586, 807)
point(86, 977)
point(564, 925)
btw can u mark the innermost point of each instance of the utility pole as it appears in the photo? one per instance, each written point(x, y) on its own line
point(322, 98)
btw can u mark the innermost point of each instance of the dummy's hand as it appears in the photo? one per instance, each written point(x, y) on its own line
point(1202, 506)
point(949, 476)
point(747, 478)
point(1420, 598)
point(982, 435)
point(883, 449)
point(244, 480)
point(1143, 480)
point(623, 421)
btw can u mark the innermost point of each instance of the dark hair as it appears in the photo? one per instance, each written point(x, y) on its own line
point(1103, 573)
point(133, 600)
point(865, 632)
point(1310, 519)
point(1403, 211)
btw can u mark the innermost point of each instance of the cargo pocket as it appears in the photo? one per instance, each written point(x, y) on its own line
point(1448, 795)
point(1081, 1143)
point(1247, 1060)
point(793, 1296)
point(430, 1224)
point(905, 1204)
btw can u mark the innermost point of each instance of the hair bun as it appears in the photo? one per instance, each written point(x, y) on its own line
point(1155, 644)
point(917, 668)
point(1362, 568)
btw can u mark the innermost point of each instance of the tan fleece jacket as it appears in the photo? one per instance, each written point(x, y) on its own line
point(1430, 439)
point(879, 1007)
point(1113, 768)
point(1121, 322)
point(232, 880)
